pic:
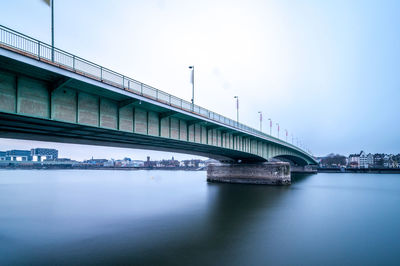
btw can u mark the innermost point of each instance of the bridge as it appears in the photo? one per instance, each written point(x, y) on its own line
point(49, 94)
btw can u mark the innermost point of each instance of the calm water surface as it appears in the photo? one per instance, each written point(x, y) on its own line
point(177, 218)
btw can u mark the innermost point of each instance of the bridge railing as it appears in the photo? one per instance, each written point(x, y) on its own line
point(21, 43)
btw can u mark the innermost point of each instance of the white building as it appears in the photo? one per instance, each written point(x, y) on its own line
point(354, 160)
point(109, 163)
point(137, 163)
point(366, 160)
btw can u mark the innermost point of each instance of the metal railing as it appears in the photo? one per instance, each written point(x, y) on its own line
point(21, 43)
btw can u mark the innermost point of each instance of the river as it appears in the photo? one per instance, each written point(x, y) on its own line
point(113, 217)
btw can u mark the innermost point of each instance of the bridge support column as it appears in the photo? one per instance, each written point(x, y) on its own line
point(270, 173)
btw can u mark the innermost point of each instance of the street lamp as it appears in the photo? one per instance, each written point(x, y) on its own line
point(192, 80)
point(278, 129)
point(51, 4)
point(270, 126)
point(260, 120)
point(237, 108)
point(286, 134)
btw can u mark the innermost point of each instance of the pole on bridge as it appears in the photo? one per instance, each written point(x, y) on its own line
point(278, 129)
point(270, 126)
point(260, 120)
point(52, 30)
point(51, 4)
point(237, 108)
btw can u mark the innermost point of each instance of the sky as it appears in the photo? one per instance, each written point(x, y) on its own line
point(327, 71)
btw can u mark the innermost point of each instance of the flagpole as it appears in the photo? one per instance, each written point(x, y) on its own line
point(52, 30)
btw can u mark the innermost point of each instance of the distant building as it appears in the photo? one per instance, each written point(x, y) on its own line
point(392, 163)
point(366, 160)
point(96, 162)
point(109, 163)
point(168, 163)
point(42, 154)
point(192, 163)
point(378, 159)
point(148, 162)
point(18, 155)
point(396, 159)
point(363, 160)
point(386, 161)
point(137, 163)
point(354, 160)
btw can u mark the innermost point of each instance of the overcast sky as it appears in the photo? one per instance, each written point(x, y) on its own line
point(327, 71)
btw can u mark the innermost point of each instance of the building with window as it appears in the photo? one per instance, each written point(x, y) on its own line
point(366, 160)
point(354, 160)
point(378, 159)
point(3, 155)
point(42, 154)
point(18, 155)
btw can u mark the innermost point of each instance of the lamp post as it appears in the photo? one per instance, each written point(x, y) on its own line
point(278, 129)
point(192, 80)
point(286, 134)
point(52, 30)
point(260, 120)
point(270, 126)
point(237, 108)
point(51, 4)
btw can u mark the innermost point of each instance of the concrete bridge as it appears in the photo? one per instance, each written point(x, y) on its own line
point(51, 95)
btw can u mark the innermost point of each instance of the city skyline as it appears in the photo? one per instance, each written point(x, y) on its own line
point(75, 151)
point(342, 86)
point(78, 151)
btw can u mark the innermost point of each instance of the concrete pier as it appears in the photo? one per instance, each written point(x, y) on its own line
point(269, 173)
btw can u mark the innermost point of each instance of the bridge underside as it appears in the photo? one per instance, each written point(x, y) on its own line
point(30, 128)
point(293, 160)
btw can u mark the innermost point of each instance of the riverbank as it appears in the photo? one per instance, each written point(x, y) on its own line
point(360, 170)
point(75, 166)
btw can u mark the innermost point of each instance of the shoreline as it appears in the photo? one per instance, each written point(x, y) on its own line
point(17, 166)
point(360, 170)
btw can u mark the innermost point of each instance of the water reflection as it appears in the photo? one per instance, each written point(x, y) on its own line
point(300, 177)
point(211, 234)
point(176, 218)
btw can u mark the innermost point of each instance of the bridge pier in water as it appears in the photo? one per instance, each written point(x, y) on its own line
point(268, 173)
